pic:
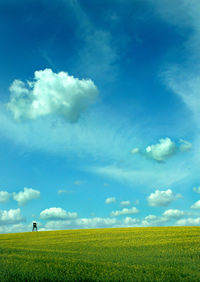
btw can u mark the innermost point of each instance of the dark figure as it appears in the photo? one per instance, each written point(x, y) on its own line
point(34, 226)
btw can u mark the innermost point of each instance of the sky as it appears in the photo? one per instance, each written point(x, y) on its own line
point(99, 114)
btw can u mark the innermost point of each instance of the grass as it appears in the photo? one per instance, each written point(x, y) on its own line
point(118, 254)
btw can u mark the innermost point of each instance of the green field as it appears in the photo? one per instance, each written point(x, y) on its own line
point(120, 254)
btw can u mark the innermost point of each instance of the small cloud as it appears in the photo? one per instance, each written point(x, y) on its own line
point(164, 149)
point(132, 210)
point(57, 214)
point(24, 196)
point(173, 213)
point(162, 198)
point(51, 93)
point(78, 182)
point(135, 151)
point(4, 196)
point(196, 189)
point(196, 205)
point(125, 203)
point(110, 200)
point(161, 151)
point(60, 192)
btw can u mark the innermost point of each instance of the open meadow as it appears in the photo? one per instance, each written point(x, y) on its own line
point(118, 254)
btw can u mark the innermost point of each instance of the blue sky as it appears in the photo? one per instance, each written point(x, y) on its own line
point(99, 114)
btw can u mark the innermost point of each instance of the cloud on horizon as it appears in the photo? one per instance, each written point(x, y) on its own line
point(12, 216)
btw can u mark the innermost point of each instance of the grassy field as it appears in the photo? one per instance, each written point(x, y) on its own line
point(121, 254)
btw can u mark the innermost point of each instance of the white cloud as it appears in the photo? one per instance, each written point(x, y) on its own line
point(14, 228)
point(161, 151)
point(153, 220)
point(110, 200)
point(11, 216)
point(24, 196)
point(196, 189)
point(20, 227)
point(51, 93)
point(164, 149)
point(96, 222)
point(125, 203)
point(188, 221)
point(129, 221)
point(4, 196)
point(57, 214)
point(173, 213)
point(132, 210)
point(162, 198)
point(196, 205)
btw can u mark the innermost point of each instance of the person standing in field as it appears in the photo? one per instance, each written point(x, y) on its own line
point(34, 226)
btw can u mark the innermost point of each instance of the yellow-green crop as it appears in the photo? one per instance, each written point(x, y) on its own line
point(121, 254)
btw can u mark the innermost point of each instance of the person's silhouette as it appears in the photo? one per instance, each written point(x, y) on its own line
point(34, 226)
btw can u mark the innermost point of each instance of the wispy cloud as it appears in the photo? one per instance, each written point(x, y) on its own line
point(98, 55)
point(60, 192)
point(144, 173)
point(84, 138)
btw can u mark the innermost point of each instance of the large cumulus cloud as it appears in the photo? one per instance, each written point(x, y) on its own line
point(51, 93)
